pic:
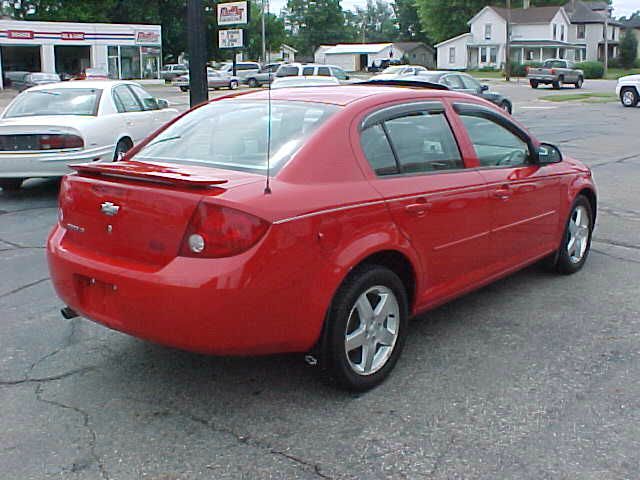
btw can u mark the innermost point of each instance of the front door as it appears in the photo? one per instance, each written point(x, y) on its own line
point(439, 205)
point(524, 199)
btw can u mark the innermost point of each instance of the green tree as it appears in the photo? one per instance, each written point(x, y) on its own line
point(311, 24)
point(409, 26)
point(377, 22)
point(274, 27)
point(628, 49)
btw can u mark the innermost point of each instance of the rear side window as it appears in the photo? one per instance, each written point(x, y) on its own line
point(419, 142)
point(308, 71)
point(495, 146)
point(324, 72)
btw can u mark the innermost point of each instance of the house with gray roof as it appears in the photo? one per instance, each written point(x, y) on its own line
point(574, 31)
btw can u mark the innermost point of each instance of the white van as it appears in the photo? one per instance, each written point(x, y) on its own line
point(311, 69)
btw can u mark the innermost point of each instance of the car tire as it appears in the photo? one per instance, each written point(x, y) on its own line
point(11, 184)
point(184, 89)
point(576, 240)
point(348, 364)
point(629, 97)
point(533, 83)
point(123, 146)
point(579, 83)
point(507, 107)
point(557, 85)
point(253, 83)
point(233, 85)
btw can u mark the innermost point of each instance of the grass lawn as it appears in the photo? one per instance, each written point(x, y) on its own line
point(581, 97)
point(616, 73)
point(479, 74)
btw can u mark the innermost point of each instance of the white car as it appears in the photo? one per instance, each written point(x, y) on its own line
point(311, 70)
point(47, 127)
point(628, 90)
point(308, 81)
point(396, 71)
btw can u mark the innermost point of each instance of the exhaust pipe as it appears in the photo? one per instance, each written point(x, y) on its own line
point(68, 313)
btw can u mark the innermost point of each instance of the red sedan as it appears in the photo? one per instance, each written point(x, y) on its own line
point(383, 202)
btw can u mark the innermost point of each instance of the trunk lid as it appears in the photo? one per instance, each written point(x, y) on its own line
point(25, 134)
point(138, 211)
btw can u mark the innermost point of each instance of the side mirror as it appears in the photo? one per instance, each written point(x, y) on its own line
point(548, 154)
point(162, 103)
point(484, 88)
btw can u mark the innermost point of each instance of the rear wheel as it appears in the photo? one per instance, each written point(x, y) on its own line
point(576, 242)
point(367, 326)
point(629, 97)
point(122, 147)
point(579, 82)
point(253, 83)
point(233, 85)
point(184, 89)
point(533, 83)
point(11, 184)
point(557, 85)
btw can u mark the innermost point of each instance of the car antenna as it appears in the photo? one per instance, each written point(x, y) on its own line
point(267, 188)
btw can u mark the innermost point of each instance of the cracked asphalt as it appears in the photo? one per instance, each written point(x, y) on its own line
point(534, 377)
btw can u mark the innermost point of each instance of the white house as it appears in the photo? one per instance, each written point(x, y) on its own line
point(537, 33)
point(359, 56)
point(124, 51)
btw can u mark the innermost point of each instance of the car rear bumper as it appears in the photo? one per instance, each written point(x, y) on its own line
point(35, 165)
point(214, 306)
point(543, 78)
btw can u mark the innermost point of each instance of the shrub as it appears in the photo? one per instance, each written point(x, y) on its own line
point(591, 69)
point(628, 49)
point(520, 69)
point(615, 62)
point(487, 69)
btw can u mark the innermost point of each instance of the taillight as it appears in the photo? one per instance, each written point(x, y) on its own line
point(59, 142)
point(526, 69)
point(215, 231)
point(553, 71)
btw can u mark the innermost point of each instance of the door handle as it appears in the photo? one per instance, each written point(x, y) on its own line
point(418, 208)
point(503, 193)
point(130, 124)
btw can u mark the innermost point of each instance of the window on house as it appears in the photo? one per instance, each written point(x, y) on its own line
point(555, 31)
point(452, 55)
point(580, 33)
point(562, 32)
point(487, 31)
point(483, 55)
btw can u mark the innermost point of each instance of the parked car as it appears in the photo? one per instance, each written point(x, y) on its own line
point(462, 82)
point(311, 69)
point(14, 79)
point(93, 74)
point(243, 69)
point(215, 79)
point(38, 78)
point(264, 77)
point(401, 71)
point(171, 71)
point(383, 202)
point(308, 81)
point(628, 90)
point(50, 126)
point(378, 65)
point(555, 72)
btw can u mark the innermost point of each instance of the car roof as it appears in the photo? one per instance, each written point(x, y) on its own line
point(343, 95)
point(99, 84)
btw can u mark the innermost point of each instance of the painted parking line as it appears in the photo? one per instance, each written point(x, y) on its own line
point(537, 107)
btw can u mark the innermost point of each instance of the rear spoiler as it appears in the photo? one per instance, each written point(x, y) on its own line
point(152, 172)
point(404, 83)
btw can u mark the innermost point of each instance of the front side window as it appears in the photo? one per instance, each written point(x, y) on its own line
point(203, 137)
point(55, 101)
point(324, 71)
point(453, 82)
point(339, 73)
point(495, 146)
point(470, 83)
point(148, 101)
point(125, 100)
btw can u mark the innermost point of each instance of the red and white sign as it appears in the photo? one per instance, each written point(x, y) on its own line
point(72, 35)
point(20, 34)
point(233, 13)
point(231, 38)
point(147, 37)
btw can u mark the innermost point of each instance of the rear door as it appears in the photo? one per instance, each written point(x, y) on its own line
point(441, 206)
point(524, 197)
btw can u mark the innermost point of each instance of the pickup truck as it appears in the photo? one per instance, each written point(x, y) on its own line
point(556, 72)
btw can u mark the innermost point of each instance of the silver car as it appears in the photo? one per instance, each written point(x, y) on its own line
point(215, 79)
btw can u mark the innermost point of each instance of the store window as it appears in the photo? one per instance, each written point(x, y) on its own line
point(113, 59)
point(130, 62)
point(150, 62)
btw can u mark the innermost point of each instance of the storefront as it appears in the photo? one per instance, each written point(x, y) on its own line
point(124, 51)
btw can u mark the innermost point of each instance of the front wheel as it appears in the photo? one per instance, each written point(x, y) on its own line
point(11, 184)
point(629, 97)
point(233, 85)
point(122, 147)
point(557, 85)
point(184, 89)
point(367, 327)
point(506, 106)
point(576, 241)
point(580, 82)
point(253, 83)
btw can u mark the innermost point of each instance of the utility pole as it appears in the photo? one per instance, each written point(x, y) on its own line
point(198, 88)
point(507, 65)
point(606, 42)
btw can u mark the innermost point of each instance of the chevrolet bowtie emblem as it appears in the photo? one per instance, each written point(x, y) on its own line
point(110, 209)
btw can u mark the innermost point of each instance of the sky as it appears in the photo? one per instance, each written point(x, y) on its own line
point(621, 7)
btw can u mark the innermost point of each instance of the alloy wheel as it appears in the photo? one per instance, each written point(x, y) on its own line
point(579, 232)
point(372, 330)
point(628, 98)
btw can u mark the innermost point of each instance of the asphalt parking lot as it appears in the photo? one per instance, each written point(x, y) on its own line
point(534, 377)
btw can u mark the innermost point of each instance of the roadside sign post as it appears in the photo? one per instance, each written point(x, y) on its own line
point(198, 88)
point(232, 14)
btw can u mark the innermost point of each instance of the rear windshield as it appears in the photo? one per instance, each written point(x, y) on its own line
point(554, 64)
point(61, 101)
point(393, 69)
point(232, 134)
